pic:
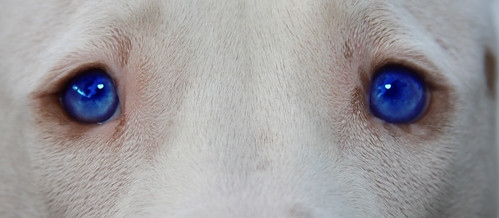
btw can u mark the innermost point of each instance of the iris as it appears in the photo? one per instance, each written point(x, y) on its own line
point(397, 95)
point(90, 97)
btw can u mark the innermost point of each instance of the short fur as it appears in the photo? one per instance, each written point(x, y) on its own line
point(247, 109)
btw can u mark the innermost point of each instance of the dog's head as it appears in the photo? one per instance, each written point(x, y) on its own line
point(248, 109)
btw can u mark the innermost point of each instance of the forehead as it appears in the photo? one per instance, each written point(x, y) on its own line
point(157, 26)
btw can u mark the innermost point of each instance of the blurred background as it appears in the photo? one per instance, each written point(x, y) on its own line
point(496, 14)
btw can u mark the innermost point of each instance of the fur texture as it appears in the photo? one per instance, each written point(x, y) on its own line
point(247, 109)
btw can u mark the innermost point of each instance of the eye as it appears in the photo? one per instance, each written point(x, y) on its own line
point(90, 97)
point(397, 95)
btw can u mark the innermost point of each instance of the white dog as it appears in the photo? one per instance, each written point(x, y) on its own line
point(247, 108)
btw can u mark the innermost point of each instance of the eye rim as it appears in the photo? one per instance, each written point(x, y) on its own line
point(79, 72)
point(418, 74)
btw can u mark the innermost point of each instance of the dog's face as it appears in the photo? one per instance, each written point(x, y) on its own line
point(247, 109)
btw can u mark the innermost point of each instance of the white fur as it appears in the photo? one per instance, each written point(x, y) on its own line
point(246, 109)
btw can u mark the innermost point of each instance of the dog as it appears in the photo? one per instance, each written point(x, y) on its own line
point(248, 109)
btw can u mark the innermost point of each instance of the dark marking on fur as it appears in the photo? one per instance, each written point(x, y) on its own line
point(47, 108)
point(347, 50)
point(490, 71)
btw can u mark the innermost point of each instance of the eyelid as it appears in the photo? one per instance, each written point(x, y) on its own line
point(60, 76)
point(425, 69)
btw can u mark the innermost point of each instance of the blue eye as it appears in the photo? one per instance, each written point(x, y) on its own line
point(397, 95)
point(90, 97)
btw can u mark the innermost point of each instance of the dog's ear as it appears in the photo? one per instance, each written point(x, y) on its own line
point(491, 70)
point(491, 57)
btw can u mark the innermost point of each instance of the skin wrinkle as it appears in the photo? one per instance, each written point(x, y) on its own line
point(123, 46)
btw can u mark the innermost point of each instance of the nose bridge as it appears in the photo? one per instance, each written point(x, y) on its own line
point(244, 93)
point(243, 133)
point(244, 106)
point(246, 74)
point(215, 122)
point(220, 94)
